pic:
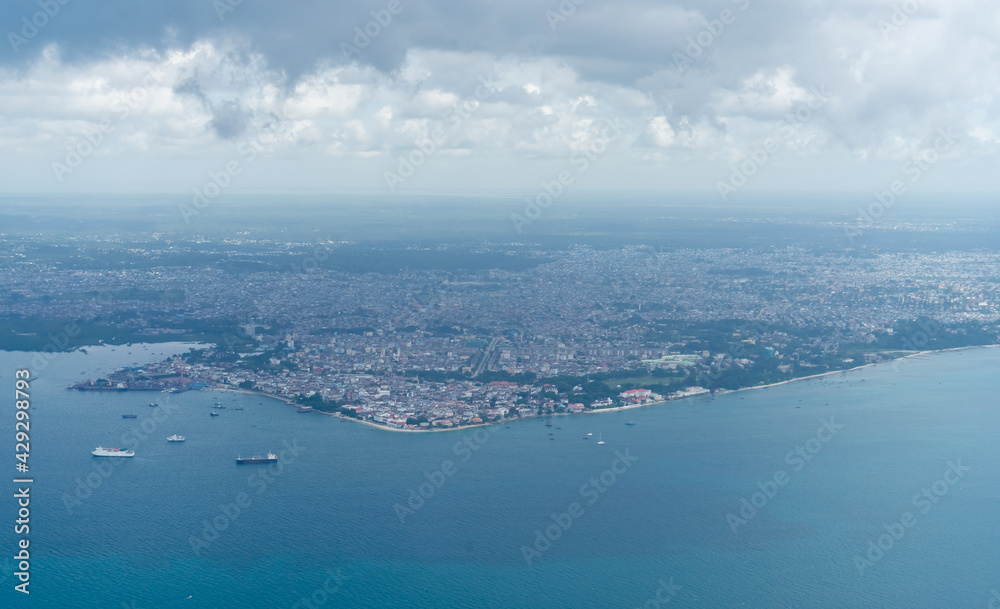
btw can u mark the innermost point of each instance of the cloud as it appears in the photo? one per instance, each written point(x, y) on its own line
point(277, 74)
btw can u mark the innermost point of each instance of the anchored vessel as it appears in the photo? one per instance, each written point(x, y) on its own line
point(175, 438)
point(270, 458)
point(100, 451)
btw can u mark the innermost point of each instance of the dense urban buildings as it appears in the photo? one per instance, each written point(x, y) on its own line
point(532, 331)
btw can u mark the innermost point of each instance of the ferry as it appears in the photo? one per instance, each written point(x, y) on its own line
point(176, 438)
point(100, 451)
point(270, 458)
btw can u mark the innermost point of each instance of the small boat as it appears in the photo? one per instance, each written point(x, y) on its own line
point(305, 409)
point(548, 423)
point(100, 451)
point(219, 406)
point(270, 458)
point(630, 423)
point(600, 439)
point(590, 434)
point(214, 414)
point(176, 438)
point(153, 404)
point(238, 408)
point(130, 416)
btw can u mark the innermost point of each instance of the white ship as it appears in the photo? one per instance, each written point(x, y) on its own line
point(175, 438)
point(112, 452)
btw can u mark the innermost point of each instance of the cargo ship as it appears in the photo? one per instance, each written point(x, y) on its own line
point(270, 458)
point(100, 451)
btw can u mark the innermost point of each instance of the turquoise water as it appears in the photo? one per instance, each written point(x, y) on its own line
point(331, 509)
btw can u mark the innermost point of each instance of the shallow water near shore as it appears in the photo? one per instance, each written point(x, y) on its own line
point(326, 525)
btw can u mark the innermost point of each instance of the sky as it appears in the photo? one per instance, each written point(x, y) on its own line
point(725, 98)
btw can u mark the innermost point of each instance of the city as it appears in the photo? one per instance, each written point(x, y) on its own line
point(547, 331)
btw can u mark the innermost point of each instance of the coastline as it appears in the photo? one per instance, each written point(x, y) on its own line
point(890, 362)
point(375, 425)
point(254, 393)
point(337, 415)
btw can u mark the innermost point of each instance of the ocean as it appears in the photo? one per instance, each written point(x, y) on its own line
point(876, 487)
